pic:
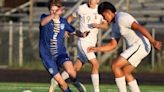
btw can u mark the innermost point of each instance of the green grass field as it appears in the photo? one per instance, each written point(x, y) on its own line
point(43, 87)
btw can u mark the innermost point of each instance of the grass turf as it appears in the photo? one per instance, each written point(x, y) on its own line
point(43, 87)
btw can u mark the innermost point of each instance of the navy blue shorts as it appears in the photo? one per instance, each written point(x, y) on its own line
point(53, 65)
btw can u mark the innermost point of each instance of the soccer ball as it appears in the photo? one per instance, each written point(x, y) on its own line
point(27, 90)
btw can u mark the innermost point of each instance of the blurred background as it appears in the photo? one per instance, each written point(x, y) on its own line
point(19, 38)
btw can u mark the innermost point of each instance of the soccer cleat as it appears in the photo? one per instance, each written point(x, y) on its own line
point(80, 86)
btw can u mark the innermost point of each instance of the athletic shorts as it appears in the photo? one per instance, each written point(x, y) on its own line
point(136, 52)
point(83, 55)
point(53, 65)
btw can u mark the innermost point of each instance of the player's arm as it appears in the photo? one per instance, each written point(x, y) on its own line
point(70, 18)
point(137, 27)
point(72, 31)
point(80, 34)
point(47, 19)
point(103, 25)
point(107, 47)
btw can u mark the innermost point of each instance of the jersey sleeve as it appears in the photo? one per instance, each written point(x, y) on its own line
point(69, 27)
point(115, 35)
point(126, 21)
point(42, 17)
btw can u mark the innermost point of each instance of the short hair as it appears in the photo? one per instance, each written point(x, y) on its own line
point(106, 6)
point(54, 3)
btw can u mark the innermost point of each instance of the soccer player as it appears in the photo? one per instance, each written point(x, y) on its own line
point(138, 42)
point(51, 46)
point(90, 20)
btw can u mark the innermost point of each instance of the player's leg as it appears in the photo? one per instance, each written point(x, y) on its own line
point(117, 66)
point(77, 66)
point(95, 74)
point(72, 73)
point(52, 68)
point(134, 60)
point(53, 82)
point(62, 84)
point(85, 56)
point(130, 79)
point(122, 61)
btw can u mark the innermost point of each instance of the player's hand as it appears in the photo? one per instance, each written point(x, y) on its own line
point(157, 45)
point(95, 25)
point(91, 49)
point(85, 34)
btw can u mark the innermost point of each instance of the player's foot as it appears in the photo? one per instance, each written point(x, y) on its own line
point(80, 87)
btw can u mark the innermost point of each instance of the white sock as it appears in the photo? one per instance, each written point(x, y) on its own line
point(121, 84)
point(133, 86)
point(64, 76)
point(53, 84)
point(95, 82)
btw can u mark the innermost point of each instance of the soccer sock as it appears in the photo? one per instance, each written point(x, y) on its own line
point(133, 86)
point(65, 75)
point(121, 84)
point(95, 82)
point(53, 83)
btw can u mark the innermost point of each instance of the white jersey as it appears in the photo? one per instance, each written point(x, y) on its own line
point(87, 16)
point(122, 28)
point(138, 45)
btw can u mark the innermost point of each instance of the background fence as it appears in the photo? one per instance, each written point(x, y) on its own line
point(19, 33)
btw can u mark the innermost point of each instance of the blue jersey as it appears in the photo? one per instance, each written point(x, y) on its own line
point(52, 42)
point(51, 45)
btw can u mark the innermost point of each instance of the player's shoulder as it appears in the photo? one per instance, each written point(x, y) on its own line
point(123, 16)
point(62, 19)
point(43, 15)
point(83, 6)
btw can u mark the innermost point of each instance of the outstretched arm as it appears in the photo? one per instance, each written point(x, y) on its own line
point(80, 34)
point(103, 25)
point(108, 47)
point(144, 31)
point(70, 18)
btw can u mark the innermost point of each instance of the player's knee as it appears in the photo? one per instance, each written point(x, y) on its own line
point(126, 72)
point(77, 66)
point(71, 72)
point(114, 66)
point(77, 69)
point(95, 65)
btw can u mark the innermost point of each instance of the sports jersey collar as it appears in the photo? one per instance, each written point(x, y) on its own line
point(91, 8)
point(61, 21)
